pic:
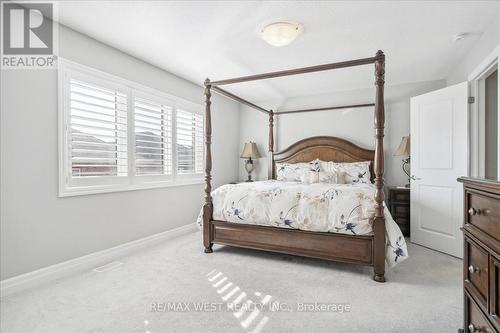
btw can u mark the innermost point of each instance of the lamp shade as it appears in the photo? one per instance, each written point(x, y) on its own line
point(404, 147)
point(250, 151)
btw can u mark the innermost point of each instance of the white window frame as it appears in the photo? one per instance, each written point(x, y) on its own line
point(69, 186)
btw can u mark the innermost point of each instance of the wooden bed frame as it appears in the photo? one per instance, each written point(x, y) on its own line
point(365, 250)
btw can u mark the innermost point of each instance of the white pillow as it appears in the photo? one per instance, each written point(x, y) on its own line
point(354, 173)
point(309, 178)
point(294, 171)
point(331, 177)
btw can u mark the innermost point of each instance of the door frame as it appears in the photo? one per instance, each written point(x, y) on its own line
point(476, 163)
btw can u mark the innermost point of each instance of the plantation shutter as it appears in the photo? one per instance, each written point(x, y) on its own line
point(189, 126)
point(153, 137)
point(98, 130)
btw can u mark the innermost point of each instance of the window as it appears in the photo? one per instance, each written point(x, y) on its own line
point(153, 137)
point(98, 130)
point(117, 135)
point(189, 142)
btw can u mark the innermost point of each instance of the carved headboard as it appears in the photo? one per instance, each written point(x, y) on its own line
point(326, 148)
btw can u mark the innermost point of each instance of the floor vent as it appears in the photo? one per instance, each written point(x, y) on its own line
point(108, 267)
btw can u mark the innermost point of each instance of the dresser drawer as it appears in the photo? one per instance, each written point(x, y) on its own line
point(400, 196)
point(494, 313)
point(400, 210)
point(483, 211)
point(476, 272)
point(474, 319)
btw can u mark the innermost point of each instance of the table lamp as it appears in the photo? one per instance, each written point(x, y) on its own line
point(250, 152)
point(404, 150)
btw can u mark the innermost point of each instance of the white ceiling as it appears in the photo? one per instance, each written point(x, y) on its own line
point(219, 39)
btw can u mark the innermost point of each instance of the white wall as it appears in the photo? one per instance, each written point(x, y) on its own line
point(39, 229)
point(482, 48)
point(355, 125)
point(488, 41)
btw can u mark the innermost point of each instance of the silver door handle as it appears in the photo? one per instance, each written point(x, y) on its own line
point(415, 178)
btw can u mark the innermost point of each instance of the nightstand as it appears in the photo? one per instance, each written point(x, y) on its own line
point(399, 206)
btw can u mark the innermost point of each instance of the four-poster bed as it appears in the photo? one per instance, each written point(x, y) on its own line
point(365, 249)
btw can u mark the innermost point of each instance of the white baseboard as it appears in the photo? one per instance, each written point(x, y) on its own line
point(90, 261)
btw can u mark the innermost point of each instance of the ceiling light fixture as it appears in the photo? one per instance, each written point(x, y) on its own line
point(281, 33)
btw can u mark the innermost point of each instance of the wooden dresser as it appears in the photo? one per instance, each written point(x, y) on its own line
point(481, 272)
point(399, 206)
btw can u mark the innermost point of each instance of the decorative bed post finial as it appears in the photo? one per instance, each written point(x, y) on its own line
point(270, 167)
point(379, 221)
point(208, 207)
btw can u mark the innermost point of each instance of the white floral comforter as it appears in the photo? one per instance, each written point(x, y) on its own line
point(339, 208)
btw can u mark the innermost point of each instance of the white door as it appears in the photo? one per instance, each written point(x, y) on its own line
point(439, 148)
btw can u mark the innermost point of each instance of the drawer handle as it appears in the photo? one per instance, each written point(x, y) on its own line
point(473, 328)
point(473, 211)
point(473, 269)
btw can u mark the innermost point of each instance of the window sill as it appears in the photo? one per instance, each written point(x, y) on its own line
point(89, 190)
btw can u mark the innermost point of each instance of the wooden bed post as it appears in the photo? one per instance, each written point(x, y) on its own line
point(379, 220)
point(271, 146)
point(208, 207)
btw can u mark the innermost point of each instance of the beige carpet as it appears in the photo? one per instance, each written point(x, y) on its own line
point(237, 290)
